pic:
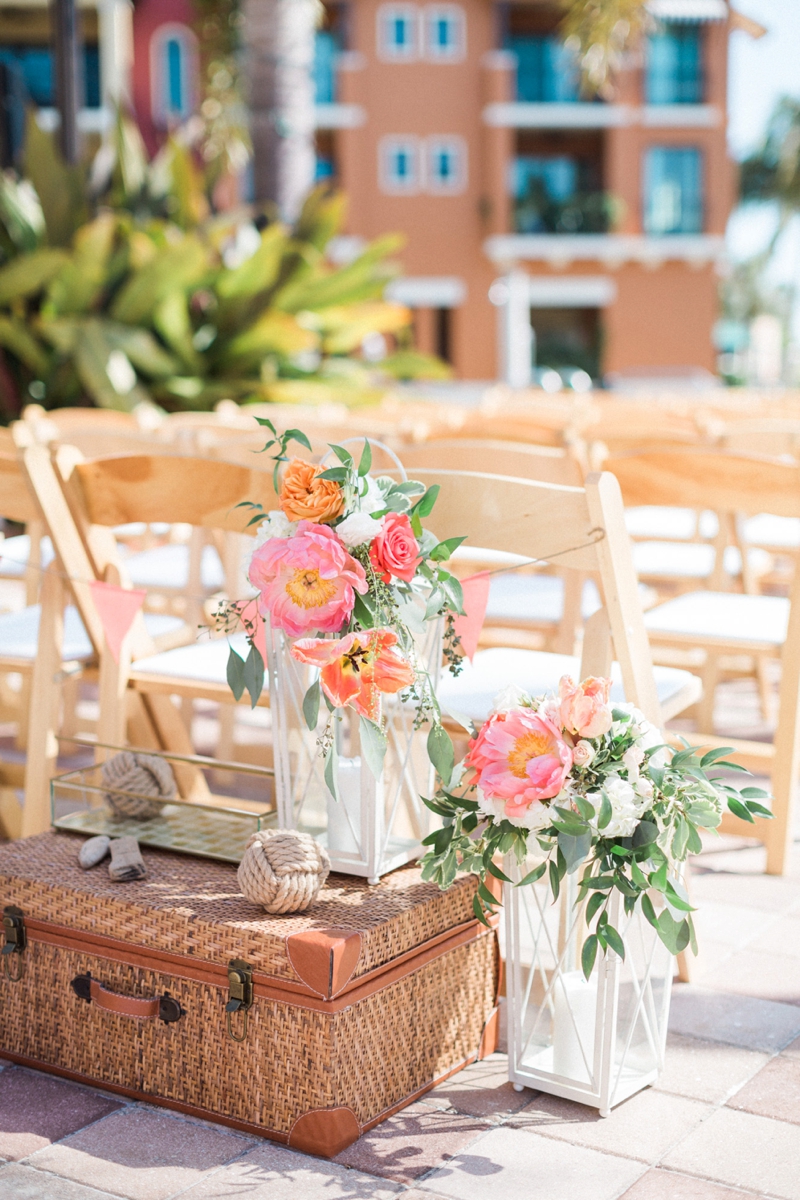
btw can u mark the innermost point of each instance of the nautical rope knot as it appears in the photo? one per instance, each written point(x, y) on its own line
point(283, 870)
point(143, 774)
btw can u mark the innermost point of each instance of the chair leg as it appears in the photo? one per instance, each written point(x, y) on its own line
point(705, 705)
point(42, 748)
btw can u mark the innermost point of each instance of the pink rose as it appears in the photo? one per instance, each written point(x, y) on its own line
point(395, 551)
point(307, 582)
point(520, 757)
point(584, 707)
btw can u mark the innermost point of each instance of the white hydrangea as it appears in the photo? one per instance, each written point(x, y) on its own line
point(627, 807)
point(276, 525)
point(357, 529)
point(536, 816)
point(509, 698)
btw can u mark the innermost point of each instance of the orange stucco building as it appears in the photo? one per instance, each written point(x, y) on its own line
point(596, 224)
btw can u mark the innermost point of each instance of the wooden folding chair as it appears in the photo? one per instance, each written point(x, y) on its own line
point(727, 623)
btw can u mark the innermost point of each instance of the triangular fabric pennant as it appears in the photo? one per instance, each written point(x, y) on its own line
point(117, 608)
point(476, 597)
point(258, 628)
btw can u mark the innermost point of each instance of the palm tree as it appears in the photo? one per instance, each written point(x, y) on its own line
point(278, 51)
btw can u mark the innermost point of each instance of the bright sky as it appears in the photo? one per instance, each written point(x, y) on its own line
point(760, 72)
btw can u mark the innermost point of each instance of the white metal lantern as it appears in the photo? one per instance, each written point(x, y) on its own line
point(595, 1041)
point(376, 825)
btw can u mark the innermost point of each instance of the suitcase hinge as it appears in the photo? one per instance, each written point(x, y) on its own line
point(16, 941)
point(240, 995)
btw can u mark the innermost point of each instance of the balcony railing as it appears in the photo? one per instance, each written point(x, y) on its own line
point(589, 212)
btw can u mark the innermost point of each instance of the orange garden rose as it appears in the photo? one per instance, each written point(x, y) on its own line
point(304, 496)
point(357, 668)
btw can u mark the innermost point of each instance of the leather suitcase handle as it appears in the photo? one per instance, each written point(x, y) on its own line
point(141, 1008)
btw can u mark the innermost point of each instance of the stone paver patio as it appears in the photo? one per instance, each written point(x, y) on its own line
point(723, 1121)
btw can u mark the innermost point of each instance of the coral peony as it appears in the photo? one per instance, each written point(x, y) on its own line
point(307, 582)
point(583, 707)
point(395, 550)
point(520, 757)
point(306, 497)
point(357, 668)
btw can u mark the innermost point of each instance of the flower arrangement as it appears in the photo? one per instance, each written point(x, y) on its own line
point(569, 781)
point(346, 570)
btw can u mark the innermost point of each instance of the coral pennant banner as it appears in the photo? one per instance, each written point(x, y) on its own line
point(255, 624)
point(476, 598)
point(117, 608)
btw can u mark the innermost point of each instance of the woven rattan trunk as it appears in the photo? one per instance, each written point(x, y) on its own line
point(357, 1006)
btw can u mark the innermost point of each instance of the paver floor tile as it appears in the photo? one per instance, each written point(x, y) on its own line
point(667, 1185)
point(481, 1090)
point(706, 1070)
point(750, 972)
point(743, 1150)
point(731, 924)
point(773, 1092)
point(772, 893)
point(514, 1164)
point(792, 1050)
point(20, 1182)
point(141, 1154)
point(36, 1109)
point(643, 1127)
point(411, 1143)
point(271, 1172)
point(781, 937)
point(745, 1021)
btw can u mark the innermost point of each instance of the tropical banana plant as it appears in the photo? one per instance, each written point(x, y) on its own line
point(155, 298)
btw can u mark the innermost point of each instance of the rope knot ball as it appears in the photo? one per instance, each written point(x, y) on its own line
point(283, 870)
point(144, 774)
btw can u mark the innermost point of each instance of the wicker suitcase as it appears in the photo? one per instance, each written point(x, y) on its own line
point(307, 1029)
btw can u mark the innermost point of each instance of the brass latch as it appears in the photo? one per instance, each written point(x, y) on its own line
point(240, 991)
point(16, 940)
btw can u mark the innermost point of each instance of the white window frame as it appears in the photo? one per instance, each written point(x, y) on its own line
point(455, 13)
point(163, 116)
point(433, 146)
point(387, 51)
point(387, 147)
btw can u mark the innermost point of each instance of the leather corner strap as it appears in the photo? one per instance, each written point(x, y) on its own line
point(325, 1131)
point(142, 1008)
point(324, 959)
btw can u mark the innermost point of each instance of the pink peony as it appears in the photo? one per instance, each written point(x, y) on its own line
point(520, 757)
point(584, 707)
point(307, 582)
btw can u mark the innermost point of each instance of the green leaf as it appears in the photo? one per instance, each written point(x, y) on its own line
point(739, 810)
point(645, 833)
point(331, 772)
point(708, 759)
point(441, 752)
point(176, 266)
point(574, 849)
point(366, 459)
point(477, 908)
point(373, 745)
point(494, 870)
point(424, 507)
point(614, 940)
point(754, 793)
point(344, 456)
point(674, 934)
point(606, 811)
point(337, 474)
point(363, 613)
point(486, 895)
point(649, 911)
point(311, 705)
point(758, 810)
point(28, 274)
point(676, 900)
point(254, 675)
point(442, 551)
point(533, 875)
point(589, 954)
point(296, 435)
point(235, 674)
point(596, 900)
point(555, 880)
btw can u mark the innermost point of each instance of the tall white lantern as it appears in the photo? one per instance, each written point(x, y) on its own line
point(376, 825)
point(595, 1041)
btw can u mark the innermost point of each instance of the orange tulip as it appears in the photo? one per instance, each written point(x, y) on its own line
point(357, 668)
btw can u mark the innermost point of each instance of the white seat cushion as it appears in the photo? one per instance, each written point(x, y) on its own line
point(19, 633)
point(722, 616)
point(200, 662)
point(692, 560)
point(652, 521)
point(167, 568)
point(766, 530)
point(472, 692)
point(15, 552)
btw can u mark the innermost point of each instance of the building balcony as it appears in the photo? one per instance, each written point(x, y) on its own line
point(611, 249)
point(339, 116)
point(579, 115)
point(539, 213)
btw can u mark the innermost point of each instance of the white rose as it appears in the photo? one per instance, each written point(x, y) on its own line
point(374, 499)
point(536, 816)
point(276, 525)
point(631, 761)
point(583, 753)
point(357, 529)
point(644, 788)
point(509, 698)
